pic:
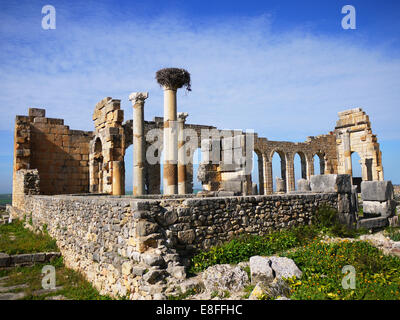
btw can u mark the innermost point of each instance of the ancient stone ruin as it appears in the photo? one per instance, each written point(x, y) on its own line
point(74, 183)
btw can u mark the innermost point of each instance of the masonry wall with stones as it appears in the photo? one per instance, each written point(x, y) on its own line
point(60, 155)
point(106, 158)
point(136, 247)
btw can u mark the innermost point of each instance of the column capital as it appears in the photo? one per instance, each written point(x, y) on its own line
point(138, 97)
point(182, 116)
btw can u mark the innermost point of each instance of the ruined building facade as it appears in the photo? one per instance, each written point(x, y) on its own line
point(72, 161)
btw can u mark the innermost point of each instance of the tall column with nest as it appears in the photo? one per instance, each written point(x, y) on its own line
point(171, 79)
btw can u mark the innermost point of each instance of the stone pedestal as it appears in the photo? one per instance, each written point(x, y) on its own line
point(280, 185)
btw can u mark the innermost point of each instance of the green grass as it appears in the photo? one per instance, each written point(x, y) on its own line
point(241, 249)
point(377, 276)
point(15, 239)
point(73, 284)
point(393, 233)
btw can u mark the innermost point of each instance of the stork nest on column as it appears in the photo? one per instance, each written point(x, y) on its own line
point(174, 78)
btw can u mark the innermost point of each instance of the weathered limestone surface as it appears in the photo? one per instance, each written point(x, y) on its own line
point(59, 154)
point(303, 185)
point(107, 147)
point(384, 208)
point(377, 190)
point(340, 183)
point(354, 134)
point(378, 204)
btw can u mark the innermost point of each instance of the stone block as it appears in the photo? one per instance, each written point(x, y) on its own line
point(347, 218)
point(210, 144)
point(187, 236)
point(5, 260)
point(144, 228)
point(36, 112)
point(376, 190)
point(211, 156)
point(233, 176)
point(384, 208)
point(303, 185)
point(39, 257)
point(236, 142)
point(235, 186)
point(340, 183)
point(21, 258)
point(153, 259)
point(280, 185)
point(227, 167)
point(260, 269)
point(372, 223)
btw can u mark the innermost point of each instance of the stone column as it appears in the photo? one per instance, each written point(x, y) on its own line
point(310, 167)
point(347, 153)
point(268, 179)
point(290, 183)
point(118, 178)
point(170, 179)
point(138, 99)
point(261, 174)
point(181, 153)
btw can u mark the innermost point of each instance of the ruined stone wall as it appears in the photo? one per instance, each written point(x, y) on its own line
point(128, 246)
point(106, 160)
point(227, 162)
point(59, 154)
point(354, 134)
point(323, 146)
point(197, 224)
point(26, 182)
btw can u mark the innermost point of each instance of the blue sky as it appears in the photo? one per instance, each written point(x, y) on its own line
point(282, 68)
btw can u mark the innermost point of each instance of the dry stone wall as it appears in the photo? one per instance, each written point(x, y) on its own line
point(136, 247)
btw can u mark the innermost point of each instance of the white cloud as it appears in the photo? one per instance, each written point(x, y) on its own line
point(285, 86)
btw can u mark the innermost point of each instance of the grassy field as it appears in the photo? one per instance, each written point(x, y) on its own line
point(377, 275)
point(69, 284)
point(15, 239)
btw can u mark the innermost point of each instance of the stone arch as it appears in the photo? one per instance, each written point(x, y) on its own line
point(322, 161)
point(354, 134)
point(96, 166)
point(283, 157)
point(303, 164)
